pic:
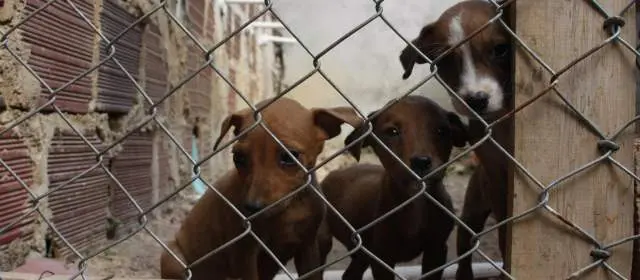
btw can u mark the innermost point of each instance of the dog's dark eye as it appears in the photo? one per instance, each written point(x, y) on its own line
point(442, 131)
point(286, 160)
point(239, 159)
point(500, 50)
point(391, 132)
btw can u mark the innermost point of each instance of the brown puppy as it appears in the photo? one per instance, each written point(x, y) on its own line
point(263, 174)
point(479, 71)
point(422, 135)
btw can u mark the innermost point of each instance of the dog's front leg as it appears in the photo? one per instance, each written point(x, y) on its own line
point(474, 214)
point(380, 272)
point(250, 264)
point(434, 255)
point(308, 259)
point(435, 250)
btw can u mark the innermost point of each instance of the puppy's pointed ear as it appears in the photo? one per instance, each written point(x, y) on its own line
point(236, 120)
point(425, 43)
point(356, 149)
point(329, 120)
point(459, 133)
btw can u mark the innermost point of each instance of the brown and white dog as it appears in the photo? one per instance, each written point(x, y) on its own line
point(479, 72)
point(421, 134)
point(263, 174)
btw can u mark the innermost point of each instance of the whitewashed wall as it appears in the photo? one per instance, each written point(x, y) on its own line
point(365, 66)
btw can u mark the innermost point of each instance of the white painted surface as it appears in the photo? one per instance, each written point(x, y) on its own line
point(365, 66)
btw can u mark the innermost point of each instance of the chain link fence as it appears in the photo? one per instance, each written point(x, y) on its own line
point(612, 20)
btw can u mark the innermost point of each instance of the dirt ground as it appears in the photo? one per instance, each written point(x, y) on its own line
point(138, 255)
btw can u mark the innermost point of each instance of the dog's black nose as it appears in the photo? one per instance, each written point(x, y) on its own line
point(251, 208)
point(420, 165)
point(478, 101)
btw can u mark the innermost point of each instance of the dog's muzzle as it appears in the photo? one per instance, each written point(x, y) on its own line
point(421, 165)
point(478, 101)
point(250, 208)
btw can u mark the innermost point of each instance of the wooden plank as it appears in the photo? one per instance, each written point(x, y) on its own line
point(550, 142)
point(635, 269)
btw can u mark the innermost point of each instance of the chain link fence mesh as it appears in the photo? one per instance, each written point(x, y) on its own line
point(611, 19)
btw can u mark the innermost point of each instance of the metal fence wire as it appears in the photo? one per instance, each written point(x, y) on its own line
point(612, 19)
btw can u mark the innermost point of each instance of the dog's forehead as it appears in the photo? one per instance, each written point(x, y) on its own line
point(413, 110)
point(466, 17)
point(287, 119)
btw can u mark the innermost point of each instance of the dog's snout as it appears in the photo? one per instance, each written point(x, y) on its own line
point(478, 101)
point(421, 164)
point(251, 208)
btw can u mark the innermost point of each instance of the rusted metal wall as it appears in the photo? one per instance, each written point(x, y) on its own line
point(78, 208)
point(155, 64)
point(59, 46)
point(132, 167)
point(61, 49)
point(13, 197)
point(164, 171)
point(195, 14)
point(116, 92)
point(200, 87)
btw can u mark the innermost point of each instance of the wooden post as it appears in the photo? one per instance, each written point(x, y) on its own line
point(551, 142)
point(635, 269)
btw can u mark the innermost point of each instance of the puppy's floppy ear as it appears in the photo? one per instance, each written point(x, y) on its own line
point(355, 134)
point(329, 120)
point(424, 43)
point(234, 120)
point(459, 132)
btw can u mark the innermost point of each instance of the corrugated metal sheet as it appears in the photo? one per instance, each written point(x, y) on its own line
point(13, 197)
point(209, 27)
point(132, 167)
point(61, 49)
point(116, 92)
point(165, 184)
point(156, 67)
point(195, 10)
point(79, 210)
point(199, 88)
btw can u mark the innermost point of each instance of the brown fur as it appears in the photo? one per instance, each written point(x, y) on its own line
point(364, 192)
point(264, 173)
point(487, 190)
point(490, 50)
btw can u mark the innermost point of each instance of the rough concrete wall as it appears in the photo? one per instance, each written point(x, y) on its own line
point(105, 107)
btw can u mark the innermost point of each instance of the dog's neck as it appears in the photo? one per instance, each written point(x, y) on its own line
point(396, 192)
point(490, 156)
point(399, 189)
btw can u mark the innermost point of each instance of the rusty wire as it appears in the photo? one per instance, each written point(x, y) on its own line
point(613, 24)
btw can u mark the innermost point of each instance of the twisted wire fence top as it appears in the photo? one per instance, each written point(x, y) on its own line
point(612, 20)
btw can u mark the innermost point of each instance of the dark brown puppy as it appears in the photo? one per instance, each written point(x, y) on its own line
point(263, 174)
point(479, 71)
point(422, 135)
